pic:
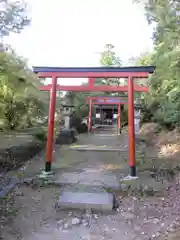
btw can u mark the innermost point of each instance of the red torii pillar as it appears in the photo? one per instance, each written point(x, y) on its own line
point(131, 135)
point(50, 138)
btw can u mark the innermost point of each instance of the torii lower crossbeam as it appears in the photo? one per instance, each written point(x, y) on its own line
point(93, 88)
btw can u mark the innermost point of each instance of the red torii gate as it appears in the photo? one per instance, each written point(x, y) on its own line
point(109, 100)
point(92, 73)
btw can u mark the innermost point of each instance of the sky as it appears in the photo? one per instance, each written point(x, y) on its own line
point(73, 32)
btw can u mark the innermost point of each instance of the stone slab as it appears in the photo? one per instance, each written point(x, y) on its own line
point(97, 149)
point(89, 178)
point(84, 200)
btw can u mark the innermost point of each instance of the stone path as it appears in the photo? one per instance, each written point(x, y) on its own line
point(39, 218)
point(87, 187)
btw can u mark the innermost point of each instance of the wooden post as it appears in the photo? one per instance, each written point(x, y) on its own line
point(50, 137)
point(131, 135)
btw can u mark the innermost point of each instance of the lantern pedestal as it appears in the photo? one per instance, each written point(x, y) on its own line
point(66, 136)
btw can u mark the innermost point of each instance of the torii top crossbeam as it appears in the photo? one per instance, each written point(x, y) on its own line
point(94, 72)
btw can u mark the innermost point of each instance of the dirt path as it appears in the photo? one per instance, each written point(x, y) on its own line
point(31, 213)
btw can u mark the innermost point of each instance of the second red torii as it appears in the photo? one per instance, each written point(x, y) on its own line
point(96, 100)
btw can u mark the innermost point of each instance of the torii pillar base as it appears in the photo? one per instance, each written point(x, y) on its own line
point(46, 175)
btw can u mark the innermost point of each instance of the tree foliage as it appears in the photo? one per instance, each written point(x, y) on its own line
point(21, 102)
point(20, 99)
point(108, 57)
point(162, 104)
point(13, 17)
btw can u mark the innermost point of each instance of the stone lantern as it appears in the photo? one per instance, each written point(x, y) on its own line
point(137, 116)
point(67, 112)
point(67, 135)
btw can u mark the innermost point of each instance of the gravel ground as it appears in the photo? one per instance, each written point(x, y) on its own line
point(29, 213)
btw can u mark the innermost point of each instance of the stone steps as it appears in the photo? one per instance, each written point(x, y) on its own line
point(87, 190)
point(101, 201)
point(89, 178)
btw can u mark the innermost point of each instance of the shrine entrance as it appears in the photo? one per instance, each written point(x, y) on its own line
point(106, 115)
point(92, 73)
